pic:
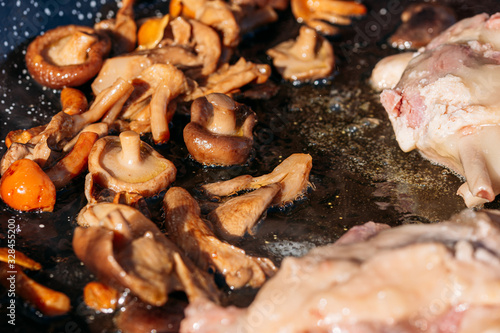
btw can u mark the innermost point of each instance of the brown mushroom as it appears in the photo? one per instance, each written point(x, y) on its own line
point(240, 214)
point(320, 14)
point(195, 237)
point(186, 44)
point(214, 13)
point(126, 164)
point(58, 136)
point(127, 250)
point(292, 174)
point(309, 57)
point(220, 131)
point(66, 56)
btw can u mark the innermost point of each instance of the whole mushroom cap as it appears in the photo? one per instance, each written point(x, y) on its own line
point(67, 56)
point(126, 164)
point(220, 131)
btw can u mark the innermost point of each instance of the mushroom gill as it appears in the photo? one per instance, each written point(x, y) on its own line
point(126, 164)
point(220, 131)
point(122, 29)
point(292, 174)
point(127, 250)
point(66, 56)
point(196, 238)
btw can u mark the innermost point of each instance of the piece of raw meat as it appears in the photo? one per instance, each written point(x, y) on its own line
point(447, 105)
point(442, 277)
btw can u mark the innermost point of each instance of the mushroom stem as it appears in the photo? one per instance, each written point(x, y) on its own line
point(224, 120)
point(131, 147)
point(305, 46)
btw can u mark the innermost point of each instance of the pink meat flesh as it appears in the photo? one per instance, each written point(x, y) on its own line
point(447, 105)
point(442, 277)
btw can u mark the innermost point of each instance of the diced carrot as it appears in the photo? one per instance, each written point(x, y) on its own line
point(24, 186)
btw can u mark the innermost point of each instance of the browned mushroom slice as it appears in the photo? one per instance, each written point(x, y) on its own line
point(66, 56)
point(188, 45)
point(218, 14)
point(127, 250)
point(309, 57)
point(220, 131)
point(155, 89)
point(122, 29)
point(320, 14)
point(238, 215)
point(48, 145)
point(229, 79)
point(127, 164)
point(292, 174)
point(197, 240)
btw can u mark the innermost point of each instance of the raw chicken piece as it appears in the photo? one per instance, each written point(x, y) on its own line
point(447, 105)
point(441, 277)
point(388, 71)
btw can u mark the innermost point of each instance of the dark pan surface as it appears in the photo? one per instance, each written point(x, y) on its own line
point(359, 172)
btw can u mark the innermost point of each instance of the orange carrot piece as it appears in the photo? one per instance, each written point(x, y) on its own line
point(100, 297)
point(24, 186)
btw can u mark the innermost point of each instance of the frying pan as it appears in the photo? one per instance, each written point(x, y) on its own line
point(359, 173)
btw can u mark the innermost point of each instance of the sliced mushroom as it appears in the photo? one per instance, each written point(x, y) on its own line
point(194, 236)
point(292, 174)
point(186, 44)
point(156, 89)
point(122, 29)
point(320, 14)
point(239, 215)
point(127, 250)
point(66, 56)
point(229, 79)
point(127, 164)
point(309, 57)
point(220, 131)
